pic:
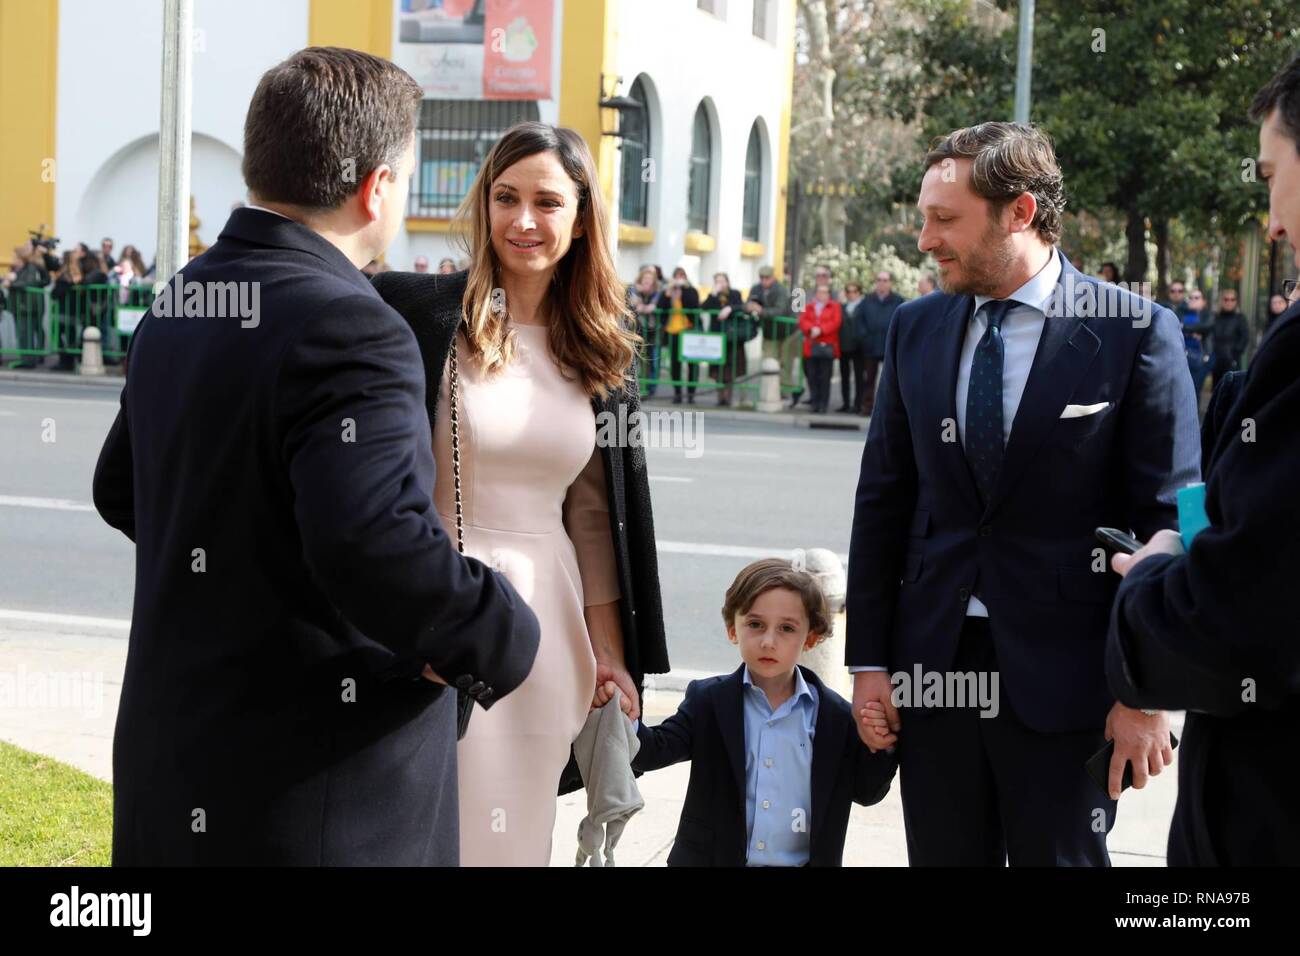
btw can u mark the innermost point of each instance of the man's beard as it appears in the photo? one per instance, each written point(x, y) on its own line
point(984, 268)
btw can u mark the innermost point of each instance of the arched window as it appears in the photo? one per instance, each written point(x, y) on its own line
point(753, 185)
point(634, 198)
point(697, 216)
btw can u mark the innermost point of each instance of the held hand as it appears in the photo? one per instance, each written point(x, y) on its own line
point(726, 311)
point(816, 331)
point(608, 676)
point(1162, 542)
point(875, 726)
point(1140, 740)
point(878, 726)
point(753, 307)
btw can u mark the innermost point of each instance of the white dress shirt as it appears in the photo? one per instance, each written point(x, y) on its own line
point(264, 209)
point(1022, 327)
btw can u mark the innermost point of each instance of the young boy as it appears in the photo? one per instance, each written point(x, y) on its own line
point(775, 754)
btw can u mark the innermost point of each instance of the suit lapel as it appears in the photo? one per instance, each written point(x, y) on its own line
point(729, 705)
point(942, 355)
point(1065, 351)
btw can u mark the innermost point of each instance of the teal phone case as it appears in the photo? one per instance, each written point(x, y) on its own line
point(1191, 512)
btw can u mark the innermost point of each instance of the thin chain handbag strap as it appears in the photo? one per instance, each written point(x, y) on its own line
point(455, 447)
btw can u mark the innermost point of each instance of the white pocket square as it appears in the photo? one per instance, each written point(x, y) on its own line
point(1079, 411)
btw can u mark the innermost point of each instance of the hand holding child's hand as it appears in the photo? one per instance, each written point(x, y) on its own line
point(875, 726)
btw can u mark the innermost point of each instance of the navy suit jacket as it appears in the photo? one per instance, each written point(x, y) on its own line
point(923, 542)
point(291, 577)
point(1214, 631)
point(709, 731)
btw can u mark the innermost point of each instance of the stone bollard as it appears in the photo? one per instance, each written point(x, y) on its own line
point(827, 658)
point(769, 387)
point(92, 352)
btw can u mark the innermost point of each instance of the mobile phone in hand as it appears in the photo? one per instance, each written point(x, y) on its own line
point(1098, 766)
point(1118, 540)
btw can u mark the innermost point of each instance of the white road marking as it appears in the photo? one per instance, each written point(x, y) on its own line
point(42, 400)
point(667, 547)
point(64, 620)
point(727, 550)
point(715, 452)
point(49, 504)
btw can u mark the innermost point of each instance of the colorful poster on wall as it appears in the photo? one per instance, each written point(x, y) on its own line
point(517, 62)
point(478, 49)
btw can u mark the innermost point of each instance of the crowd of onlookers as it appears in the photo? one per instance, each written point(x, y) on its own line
point(1215, 339)
point(48, 299)
point(845, 328)
point(421, 264)
point(833, 327)
point(836, 327)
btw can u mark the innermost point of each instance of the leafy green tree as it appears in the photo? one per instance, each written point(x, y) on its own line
point(1146, 102)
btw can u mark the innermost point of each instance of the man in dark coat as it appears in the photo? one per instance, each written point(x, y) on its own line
point(874, 315)
point(1011, 423)
point(1212, 629)
point(1229, 336)
point(299, 612)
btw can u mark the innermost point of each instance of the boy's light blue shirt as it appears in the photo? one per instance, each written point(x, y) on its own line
point(778, 774)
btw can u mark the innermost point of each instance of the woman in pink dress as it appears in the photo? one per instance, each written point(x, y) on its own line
point(543, 347)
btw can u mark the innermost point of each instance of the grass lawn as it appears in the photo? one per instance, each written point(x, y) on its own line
point(52, 814)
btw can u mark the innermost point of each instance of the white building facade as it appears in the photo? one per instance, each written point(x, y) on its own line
point(704, 187)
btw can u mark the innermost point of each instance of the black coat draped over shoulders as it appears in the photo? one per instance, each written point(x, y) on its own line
point(432, 305)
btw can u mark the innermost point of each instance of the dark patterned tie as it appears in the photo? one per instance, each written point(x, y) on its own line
point(984, 441)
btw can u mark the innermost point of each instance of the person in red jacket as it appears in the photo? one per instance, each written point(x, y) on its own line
point(820, 323)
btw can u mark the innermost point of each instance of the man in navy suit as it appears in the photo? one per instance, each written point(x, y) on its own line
point(1018, 411)
point(1213, 629)
point(299, 611)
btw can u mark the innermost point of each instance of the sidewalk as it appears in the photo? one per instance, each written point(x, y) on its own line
point(706, 404)
point(80, 732)
point(112, 377)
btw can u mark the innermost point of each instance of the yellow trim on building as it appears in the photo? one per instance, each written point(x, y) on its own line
point(365, 25)
point(635, 235)
point(590, 38)
point(424, 224)
point(752, 250)
point(29, 58)
point(700, 242)
point(783, 139)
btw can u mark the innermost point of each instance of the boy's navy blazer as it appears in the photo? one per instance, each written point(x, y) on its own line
point(709, 730)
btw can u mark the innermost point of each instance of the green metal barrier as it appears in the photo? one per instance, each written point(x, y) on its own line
point(662, 364)
point(49, 321)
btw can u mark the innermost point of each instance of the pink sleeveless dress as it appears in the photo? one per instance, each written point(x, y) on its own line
point(536, 509)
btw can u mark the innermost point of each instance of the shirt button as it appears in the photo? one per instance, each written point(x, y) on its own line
point(767, 762)
point(762, 845)
point(766, 805)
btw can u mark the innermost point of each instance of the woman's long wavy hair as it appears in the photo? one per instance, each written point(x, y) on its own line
point(591, 332)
